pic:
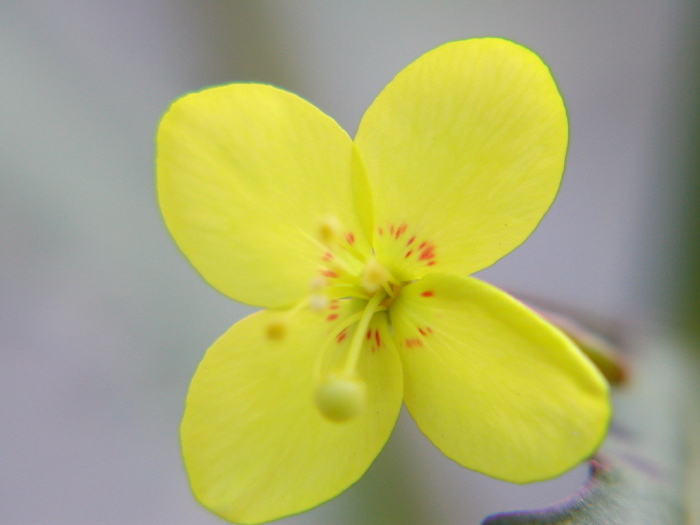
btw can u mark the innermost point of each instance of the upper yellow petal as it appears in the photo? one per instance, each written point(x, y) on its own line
point(494, 386)
point(464, 151)
point(247, 176)
point(255, 445)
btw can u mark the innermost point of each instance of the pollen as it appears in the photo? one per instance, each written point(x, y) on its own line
point(340, 399)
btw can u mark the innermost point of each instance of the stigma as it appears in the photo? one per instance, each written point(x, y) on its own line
point(340, 399)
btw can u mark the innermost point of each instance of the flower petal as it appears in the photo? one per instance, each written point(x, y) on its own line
point(246, 174)
point(255, 446)
point(494, 386)
point(464, 150)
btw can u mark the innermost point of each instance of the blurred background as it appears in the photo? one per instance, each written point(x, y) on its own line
point(102, 321)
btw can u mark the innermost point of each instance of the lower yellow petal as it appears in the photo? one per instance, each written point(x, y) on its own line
point(255, 445)
point(492, 385)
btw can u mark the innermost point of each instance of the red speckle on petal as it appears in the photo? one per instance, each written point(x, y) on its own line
point(408, 254)
point(391, 229)
point(427, 253)
point(332, 317)
point(413, 342)
point(425, 331)
point(329, 273)
point(400, 230)
point(342, 335)
point(350, 237)
point(327, 256)
point(369, 335)
point(411, 240)
point(422, 245)
point(431, 263)
point(427, 293)
point(380, 231)
point(377, 338)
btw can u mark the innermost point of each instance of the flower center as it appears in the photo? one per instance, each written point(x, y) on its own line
point(346, 271)
point(349, 289)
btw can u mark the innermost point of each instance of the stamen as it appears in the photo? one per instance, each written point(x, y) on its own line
point(345, 290)
point(329, 230)
point(277, 329)
point(352, 250)
point(318, 300)
point(374, 276)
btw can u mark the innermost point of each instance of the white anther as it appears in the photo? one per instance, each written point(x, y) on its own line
point(373, 276)
point(317, 283)
point(318, 302)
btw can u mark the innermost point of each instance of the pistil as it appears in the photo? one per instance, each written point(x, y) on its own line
point(341, 394)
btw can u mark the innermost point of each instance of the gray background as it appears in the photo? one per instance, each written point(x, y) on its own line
point(102, 321)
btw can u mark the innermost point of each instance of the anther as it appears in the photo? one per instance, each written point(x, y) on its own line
point(329, 230)
point(318, 300)
point(340, 399)
point(317, 283)
point(373, 276)
point(276, 329)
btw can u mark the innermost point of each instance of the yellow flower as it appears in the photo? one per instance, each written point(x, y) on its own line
point(360, 251)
